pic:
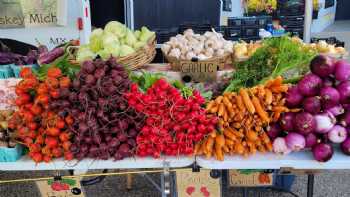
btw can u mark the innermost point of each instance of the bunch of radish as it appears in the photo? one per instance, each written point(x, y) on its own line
point(174, 123)
point(104, 125)
point(41, 129)
point(324, 97)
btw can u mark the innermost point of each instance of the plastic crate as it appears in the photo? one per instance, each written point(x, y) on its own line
point(250, 31)
point(11, 154)
point(16, 69)
point(250, 21)
point(233, 33)
point(234, 22)
point(6, 71)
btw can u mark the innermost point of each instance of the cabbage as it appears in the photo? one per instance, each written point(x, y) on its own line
point(137, 34)
point(110, 40)
point(96, 40)
point(116, 28)
point(113, 50)
point(126, 50)
point(84, 53)
point(146, 34)
point(130, 38)
point(139, 44)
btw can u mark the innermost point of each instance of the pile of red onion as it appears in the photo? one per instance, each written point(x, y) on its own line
point(324, 97)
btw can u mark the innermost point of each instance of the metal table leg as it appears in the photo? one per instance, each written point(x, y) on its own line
point(310, 185)
point(245, 192)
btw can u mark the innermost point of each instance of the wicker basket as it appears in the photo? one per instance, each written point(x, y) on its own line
point(222, 61)
point(133, 61)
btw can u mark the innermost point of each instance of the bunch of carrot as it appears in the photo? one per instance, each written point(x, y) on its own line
point(243, 119)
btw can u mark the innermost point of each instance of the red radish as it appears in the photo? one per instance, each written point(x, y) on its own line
point(344, 92)
point(330, 97)
point(322, 152)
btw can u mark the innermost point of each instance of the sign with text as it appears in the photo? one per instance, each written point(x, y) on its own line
point(61, 188)
point(28, 13)
point(248, 178)
point(199, 71)
point(197, 184)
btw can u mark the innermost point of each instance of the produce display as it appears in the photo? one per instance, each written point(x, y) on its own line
point(114, 40)
point(191, 45)
point(286, 97)
point(243, 120)
point(324, 96)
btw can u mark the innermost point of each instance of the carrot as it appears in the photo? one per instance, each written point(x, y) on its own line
point(229, 142)
point(279, 89)
point(247, 101)
point(262, 149)
point(269, 146)
point(210, 105)
point(259, 109)
point(214, 109)
point(220, 140)
point(221, 109)
point(295, 110)
point(239, 149)
point(274, 82)
point(265, 138)
point(251, 135)
point(197, 149)
point(218, 100)
point(229, 135)
point(218, 152)
point(268, 96)
point(204, 145)
point(231, 112)
point(280, 109)
point(210, 144)
point(212, 134)
point(227, 102)
point(226, 149)
point(239, 102)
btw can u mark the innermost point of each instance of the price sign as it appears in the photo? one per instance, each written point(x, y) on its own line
point(60, 188)
point(249, 179)
point(197, 184)
point(199, 71)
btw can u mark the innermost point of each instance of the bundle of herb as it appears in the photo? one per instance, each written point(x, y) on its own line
point(277, 56)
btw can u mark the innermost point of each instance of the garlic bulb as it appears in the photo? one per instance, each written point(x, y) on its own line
point(220, 52)
point(175, 52)
point(190, 55)
point(166, 48)
point(188, 33)
point(202, 57)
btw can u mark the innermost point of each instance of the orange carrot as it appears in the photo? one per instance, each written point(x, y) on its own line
point(247, 101)
point(268, 96)
point(259, 109)
point(220, 140)
point(252, 135)
point(240, 103)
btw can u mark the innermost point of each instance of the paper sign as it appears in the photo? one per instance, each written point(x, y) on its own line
point(198, 71)
point(63, 188)
point(28, 13)
point(252, 179)
point(197, 184)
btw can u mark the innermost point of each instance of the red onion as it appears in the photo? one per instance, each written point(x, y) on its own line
point(279, 146)
point(344, 91)
point(293, 97)
point(295, 141)
point(342, 70)
point(312, 104)
point(345, 146)
point(287, 121)
point(324, 122)
point(345, 119)
point(273, 130)
point(322, 152)
point(322, 65)
point(328, 82)
point(330, 97)
point(336, 110)
point(304, 123)
point(337, 134)
point(311, 140)
point(310, 85)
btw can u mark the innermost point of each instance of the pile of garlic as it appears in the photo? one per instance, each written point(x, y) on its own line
point(191, 45)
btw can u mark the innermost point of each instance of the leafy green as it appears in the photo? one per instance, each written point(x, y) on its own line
point(146, 79)
point(277, 56)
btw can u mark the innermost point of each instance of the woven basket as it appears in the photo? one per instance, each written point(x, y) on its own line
point(222, 61)
point(142, 56)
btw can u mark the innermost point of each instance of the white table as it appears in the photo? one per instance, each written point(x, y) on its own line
point(296, 160)
point(25, 163)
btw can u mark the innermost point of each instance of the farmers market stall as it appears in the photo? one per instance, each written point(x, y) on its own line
point(277, 103)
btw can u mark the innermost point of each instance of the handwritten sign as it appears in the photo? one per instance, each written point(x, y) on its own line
point(198, 71)
point(28, 13)
point(197, 184)
point(61, 188)
point(253, 179)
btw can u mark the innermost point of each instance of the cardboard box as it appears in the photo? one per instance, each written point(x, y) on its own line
point(250, 178)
